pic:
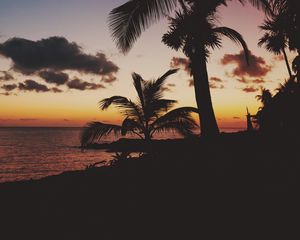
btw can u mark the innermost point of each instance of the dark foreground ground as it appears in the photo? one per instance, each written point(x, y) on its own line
point(236, 187)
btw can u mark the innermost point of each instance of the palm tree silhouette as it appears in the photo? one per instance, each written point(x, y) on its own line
point(290, 9)
point(275, 39)
point(195, 40)
point(129, 20)
point(265, 97)
point(145, 117)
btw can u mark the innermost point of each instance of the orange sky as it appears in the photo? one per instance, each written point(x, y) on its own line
point(84, 22)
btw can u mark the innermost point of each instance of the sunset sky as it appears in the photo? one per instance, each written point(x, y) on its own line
point(66, 92)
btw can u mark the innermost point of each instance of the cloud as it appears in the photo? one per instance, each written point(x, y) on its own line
point(5, 119)
point(243, 80)
point(183, 63)
point(253, 81)
point(216, 86)
point(55, 53)
point(58, 78)
point(28, 119)
point(31, 85)
point(168, 87)
point(212, 85)
point(216, 79)
point(110, 78)
point(56, 90)
point(250, 89)
point(236, 118)
point(83, 85)
point(9, 87)
point(257, 65)
point(215, 83)
point(258, 81)
point(279, 57)
point(6, 94)
point(6, 76)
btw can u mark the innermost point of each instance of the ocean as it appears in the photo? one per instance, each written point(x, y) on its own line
point(35, 152)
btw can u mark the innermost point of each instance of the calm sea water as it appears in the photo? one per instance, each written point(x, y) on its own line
point(27, 153)
point(31, 153)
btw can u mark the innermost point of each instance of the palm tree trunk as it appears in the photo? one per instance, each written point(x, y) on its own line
point(208, 123)
point(147, 133)
point(287, 62)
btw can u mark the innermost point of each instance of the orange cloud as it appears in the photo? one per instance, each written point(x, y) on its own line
point(257, 65)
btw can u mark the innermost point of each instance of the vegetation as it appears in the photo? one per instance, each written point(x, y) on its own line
point(145, 117)
point(196, 40)
point(275, 39)
point(129, 20)
point(280, 113)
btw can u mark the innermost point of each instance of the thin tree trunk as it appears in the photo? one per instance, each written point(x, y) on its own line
point(287, 62)
point(208, 123)
point(147, 132)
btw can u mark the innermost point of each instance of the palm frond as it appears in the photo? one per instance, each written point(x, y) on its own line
point(126, 106)
point(127, 21)
point(158, 107)
point(153, 92)
point(213, 41)
point(272, 43)
point(178, 119)
point(116, 100)
point(138, 83)
point(94, 131)
point(160, 81)
point(131, 126)
point(235, 37)
point(176, 36)
point(261, 4)
point(184, 127)
point(153, 89)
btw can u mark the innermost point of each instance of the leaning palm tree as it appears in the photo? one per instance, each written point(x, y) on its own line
point(129, 20)
point(275, 39)
point(148, 115)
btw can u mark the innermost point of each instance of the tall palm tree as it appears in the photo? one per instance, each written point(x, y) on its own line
point(275, 39)
point(195, 40)
point(145, 117)
point(129, 20)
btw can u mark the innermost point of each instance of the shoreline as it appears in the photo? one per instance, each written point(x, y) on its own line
point(129, 146)
point(169, 193)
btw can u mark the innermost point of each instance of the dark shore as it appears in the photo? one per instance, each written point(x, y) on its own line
point(237, 186)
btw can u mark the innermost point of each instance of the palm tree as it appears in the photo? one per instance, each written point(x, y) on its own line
point(129, 20)
point(145, 117)
point(291, 9)
point(275, 39)
point(195, 40)
point(265, 97)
